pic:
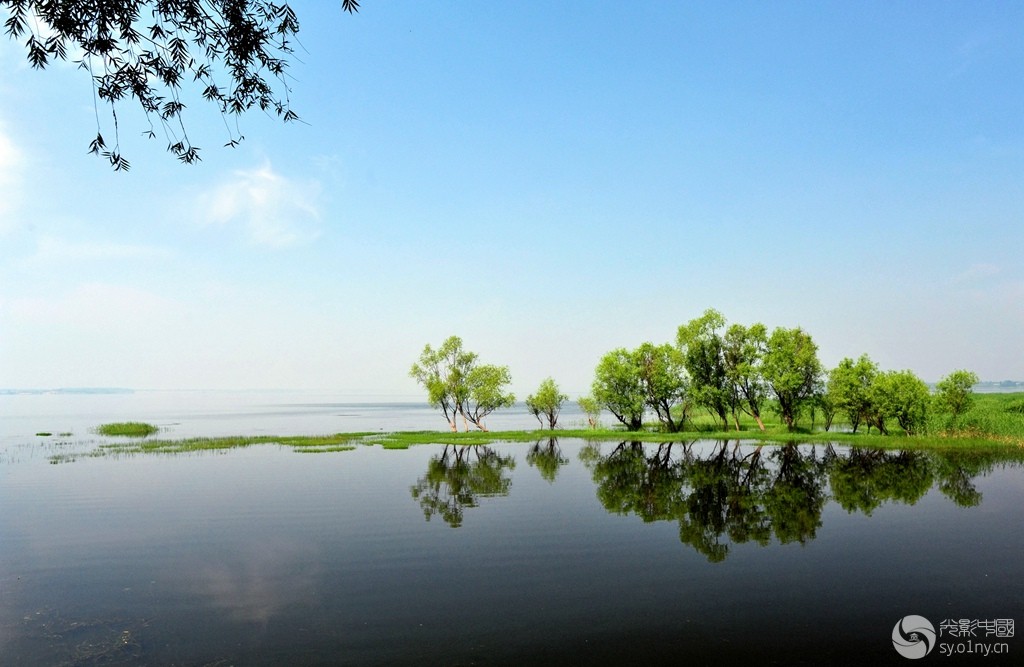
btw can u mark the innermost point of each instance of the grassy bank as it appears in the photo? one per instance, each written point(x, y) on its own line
point(402, 440)
point(939, 442)
point(994, 423)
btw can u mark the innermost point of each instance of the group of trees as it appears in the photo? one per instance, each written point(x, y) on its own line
point(736, 369)
point(724, 370)
point(728, 371)
point(461, 386)
point(869, 396)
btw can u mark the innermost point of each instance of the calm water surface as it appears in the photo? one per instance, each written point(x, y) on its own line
point(554, 553)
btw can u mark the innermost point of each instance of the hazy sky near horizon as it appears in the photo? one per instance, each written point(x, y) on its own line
point(547, 180)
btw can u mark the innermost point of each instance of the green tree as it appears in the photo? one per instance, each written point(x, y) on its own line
point(618, 387)
point(459, 386)
point(443, 373)
point(902, 396)
point(664, 383)
point(743, 349)
point(792, 371)
point(235, 52)
point(824, 403)
point(546, 403)
point(486, 390)
point(592, 407)
point(700, 341)
point(955, 392)
point(849, 385)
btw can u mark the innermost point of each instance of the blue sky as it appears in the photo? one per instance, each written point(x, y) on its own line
point(547, 180)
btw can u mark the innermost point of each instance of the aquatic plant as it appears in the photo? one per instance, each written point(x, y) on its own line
point(130, 429)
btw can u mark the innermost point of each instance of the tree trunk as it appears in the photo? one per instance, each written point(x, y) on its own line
point(760, 424)
point(736, 421)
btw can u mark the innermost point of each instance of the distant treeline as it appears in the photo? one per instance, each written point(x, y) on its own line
point(730, 372)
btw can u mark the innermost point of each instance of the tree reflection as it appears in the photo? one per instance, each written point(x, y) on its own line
point(458, 477)
point(866, 478)
point(956, 470)
point(547, 458)
point(734, 495)
point(632, 483)
point(720, 495)
point(796, 495)
point(722, 500)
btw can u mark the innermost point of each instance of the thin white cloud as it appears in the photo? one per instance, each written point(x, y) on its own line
point(976, 273)
point(51, 249)
point(270, 209)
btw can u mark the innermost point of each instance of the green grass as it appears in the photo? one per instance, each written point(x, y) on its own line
point(341, 442)
point(130, 429)
point(325, 450)
point(994, 424)
point(994, 415)
point(308, 444)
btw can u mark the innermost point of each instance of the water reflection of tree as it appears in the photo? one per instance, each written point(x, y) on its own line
point(458, 477)
point(723, 500)
point(956, 470)
point(864, 479)
point(735, 495)
point(547, 458)
point(796, 495)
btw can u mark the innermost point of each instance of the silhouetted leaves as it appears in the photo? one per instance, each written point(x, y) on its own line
point(236, 50)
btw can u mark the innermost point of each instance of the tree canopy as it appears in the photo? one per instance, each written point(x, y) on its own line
point(849, 385)
point(235, 53)
point(902, 396)
point(792, 370)
point(617, 387)
point(458, 385)
point(955, 392)
point(700, 341)
point(546, 404)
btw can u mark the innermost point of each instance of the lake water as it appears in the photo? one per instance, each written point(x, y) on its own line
point(561, 552)
point(183, 414)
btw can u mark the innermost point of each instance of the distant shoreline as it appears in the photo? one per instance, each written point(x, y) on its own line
point(67, 390)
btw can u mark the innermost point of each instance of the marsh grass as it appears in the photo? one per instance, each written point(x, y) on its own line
point(309, 444)
point(340, 442)
point(995, 424)
point(997, 414)
point(325, 450)
point(129, 429)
